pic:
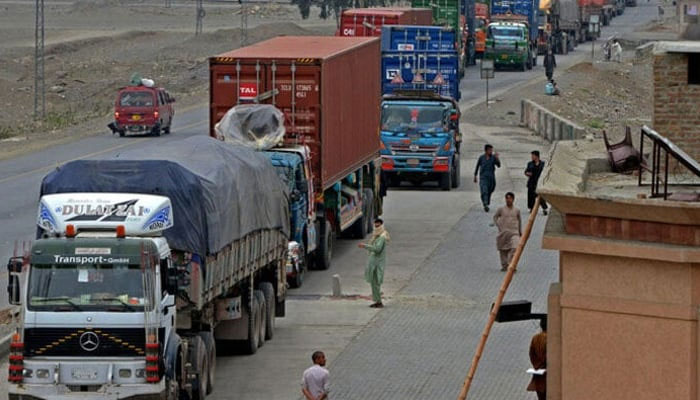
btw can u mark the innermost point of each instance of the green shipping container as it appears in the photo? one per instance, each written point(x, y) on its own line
point(445, 13)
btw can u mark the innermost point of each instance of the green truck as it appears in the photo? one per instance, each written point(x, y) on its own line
point(447, 13)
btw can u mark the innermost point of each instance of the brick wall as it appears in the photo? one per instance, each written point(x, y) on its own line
point(676, 104)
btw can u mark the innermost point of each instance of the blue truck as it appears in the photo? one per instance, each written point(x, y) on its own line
point(420, 114)
point(511, 37)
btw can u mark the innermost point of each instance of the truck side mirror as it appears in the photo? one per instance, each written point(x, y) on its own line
point(13, 290)
point(171, 281)
point(14, 265)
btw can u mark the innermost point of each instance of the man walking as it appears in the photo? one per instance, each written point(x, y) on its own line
point(314, 384)
point(533, 171)
point(507, 219)
point(486, 170)
point(374, 272)
point(549, 63)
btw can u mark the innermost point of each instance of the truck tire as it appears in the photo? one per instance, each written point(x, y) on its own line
point(268, 292)
point(446, 181)
point(199, 359)
point(324, 252)
point(358, 230)
point(529, 64)
point(523, 66)
point(456, 172)
point(156, 130)
point(299, 278)
point(252, 343)
point(369, 226)
point(122, 133)
point(210, 345)
point(262, 315)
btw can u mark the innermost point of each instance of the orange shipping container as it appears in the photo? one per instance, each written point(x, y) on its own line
point(369, 21)
point(327, 87)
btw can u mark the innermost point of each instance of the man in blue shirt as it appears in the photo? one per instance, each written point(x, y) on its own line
point(486, 171)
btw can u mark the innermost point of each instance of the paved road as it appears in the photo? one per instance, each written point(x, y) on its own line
point(426, 271)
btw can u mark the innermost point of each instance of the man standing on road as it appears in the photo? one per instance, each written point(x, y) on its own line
point(486, 170)
point(533, 172)
point(314, 384)
point(507, 219)
point(538, 358)
point(549, 63)
point(374, 272)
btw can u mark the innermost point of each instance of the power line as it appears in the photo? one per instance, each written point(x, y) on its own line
point(39, 83)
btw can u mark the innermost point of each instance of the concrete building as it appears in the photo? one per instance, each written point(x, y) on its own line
point(623, 318)
point(688, 11)
point(676, 70)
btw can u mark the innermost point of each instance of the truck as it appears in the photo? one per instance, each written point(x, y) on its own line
point(563, 24)
point(145, 266)
point(369, 21)
point(588, 9)
point(511, 37)
point(446, 13)
point(328, 91)
point(481, 22)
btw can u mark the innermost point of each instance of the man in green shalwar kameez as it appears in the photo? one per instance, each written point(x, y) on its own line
point(374, 272)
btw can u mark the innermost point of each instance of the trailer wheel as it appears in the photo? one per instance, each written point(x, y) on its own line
point(262, 316)
point(324, 252)
point(122, 133)
point(456, 172)
point(199, 361)
point(269, 293)
point(446, 181)
point(210, 345)
point(369, 226)
point(251, 343)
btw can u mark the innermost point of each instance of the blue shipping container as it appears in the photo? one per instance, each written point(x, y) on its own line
point(414, 38)
point(528, 8)
point(428, 64)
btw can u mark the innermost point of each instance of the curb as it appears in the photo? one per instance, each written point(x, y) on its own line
point(547, 124)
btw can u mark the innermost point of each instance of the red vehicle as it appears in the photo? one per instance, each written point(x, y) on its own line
point(369, 21)
point(143, 109)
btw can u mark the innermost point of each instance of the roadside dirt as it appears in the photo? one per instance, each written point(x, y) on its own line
point(93, 47)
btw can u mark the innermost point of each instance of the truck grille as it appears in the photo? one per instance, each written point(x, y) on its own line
point(405, 148)
point(111, 342)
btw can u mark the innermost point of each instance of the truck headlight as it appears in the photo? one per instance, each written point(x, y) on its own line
point(27, 373)
point(42, 374)
point(125, 373)
point(140, 373)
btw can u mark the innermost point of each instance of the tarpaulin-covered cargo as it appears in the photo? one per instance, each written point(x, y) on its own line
point(327, 87)
point(219, 192)
point(369, 21)
point(418, 38)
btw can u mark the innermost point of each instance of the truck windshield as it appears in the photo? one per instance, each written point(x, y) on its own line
point(508, 32)
point(93, 287)
point(136, 99)
point(396, 118)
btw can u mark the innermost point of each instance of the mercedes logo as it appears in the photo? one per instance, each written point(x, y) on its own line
point(89, 341)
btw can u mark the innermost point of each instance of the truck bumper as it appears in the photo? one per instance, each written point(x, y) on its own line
point(504, 58)
point(107, 392)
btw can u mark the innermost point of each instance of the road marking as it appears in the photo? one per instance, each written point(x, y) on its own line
point(97, 153)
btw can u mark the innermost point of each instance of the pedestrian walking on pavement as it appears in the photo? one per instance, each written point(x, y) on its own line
point(550, 62)
point(314, 383)
point(486, 170)
point(509, 224)
point(538, 358)
point(374, 271)
point(533, 171)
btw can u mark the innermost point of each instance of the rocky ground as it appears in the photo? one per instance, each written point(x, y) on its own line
point(93, 47)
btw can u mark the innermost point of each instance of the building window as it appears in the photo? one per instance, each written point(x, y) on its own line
point(694, 69)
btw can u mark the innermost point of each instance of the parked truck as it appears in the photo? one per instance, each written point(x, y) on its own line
point(446, 13)
point(482, 15)
point(588, 9)
point(420, 115)
point(563, 24)
point(143, 263)
point(328, 90)
point(369, 21)
point(511, 37)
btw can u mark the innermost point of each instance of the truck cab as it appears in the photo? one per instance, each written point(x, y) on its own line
point(420, 138)
point(508, 44)
point(293, 165)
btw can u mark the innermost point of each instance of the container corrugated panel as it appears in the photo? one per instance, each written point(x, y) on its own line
point(527, 8)
point(369, 21)
point(418, 38)
point(327, 87)
point(428, 64)
point(569, 12)
point(445, 12)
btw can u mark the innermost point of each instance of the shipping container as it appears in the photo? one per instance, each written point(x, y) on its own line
point(408, 65)
point(327, 88)
point(369, 21)
point(445, 12)
point(418, 38)
point(510, 9)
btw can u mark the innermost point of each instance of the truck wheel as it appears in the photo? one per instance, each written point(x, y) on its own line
point(269, 292)
point(369, 225)
point(456, 172)
point(156, 131)
point(358, 230)
point(299, 277)
point(210, 345)
point(122, 133)
point(324, 252)
point(200, 363)
point(446, 181)
point(529, 63)
point(262, 316)
point(251, 344)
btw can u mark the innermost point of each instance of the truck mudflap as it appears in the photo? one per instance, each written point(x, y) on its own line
point(142, 391)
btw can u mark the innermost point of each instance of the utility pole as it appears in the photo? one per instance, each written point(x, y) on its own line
point(200, 17)
point(244, 23)
point(39, 87)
